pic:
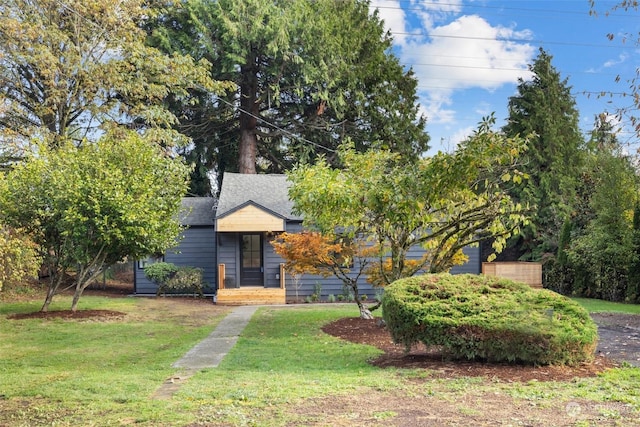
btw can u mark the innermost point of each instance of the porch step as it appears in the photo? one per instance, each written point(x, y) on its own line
point(251, 296)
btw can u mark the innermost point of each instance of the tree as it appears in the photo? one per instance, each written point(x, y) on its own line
point(73, 69)
point(315, 253)
point(308, 75)
point(545, 108)
point(633, 288)
point(88, 207)
point(443, 203)
point(632, 93)
point(604, 250)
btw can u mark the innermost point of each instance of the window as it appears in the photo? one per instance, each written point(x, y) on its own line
point(251, 251)
point(150, 260)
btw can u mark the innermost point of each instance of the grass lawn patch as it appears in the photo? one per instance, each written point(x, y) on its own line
point(600, 306)
point(283, 371)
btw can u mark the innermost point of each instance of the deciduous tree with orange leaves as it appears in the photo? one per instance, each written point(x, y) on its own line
point(312, 252)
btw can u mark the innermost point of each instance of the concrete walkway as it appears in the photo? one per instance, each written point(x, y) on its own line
point(209, 352)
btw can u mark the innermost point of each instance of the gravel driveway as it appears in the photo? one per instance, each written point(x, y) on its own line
point(619, 336)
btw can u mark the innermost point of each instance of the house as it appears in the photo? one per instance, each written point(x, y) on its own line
point(197, 247)
point(231, 243)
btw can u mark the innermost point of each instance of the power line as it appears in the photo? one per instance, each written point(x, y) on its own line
point(262, 120)
point(548, 12)
point(266, 122)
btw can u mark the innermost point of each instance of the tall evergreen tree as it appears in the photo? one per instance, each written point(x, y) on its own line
point(545, 108)
point(308, 74)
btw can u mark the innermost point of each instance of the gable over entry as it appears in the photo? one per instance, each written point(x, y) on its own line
point(252, 210)
point(250, 217)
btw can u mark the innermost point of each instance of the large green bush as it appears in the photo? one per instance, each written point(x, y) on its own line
point(486, 318)
point(175, 279)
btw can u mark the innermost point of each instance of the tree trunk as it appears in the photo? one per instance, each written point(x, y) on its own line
point(55, 279)
point(250, 108)
point(364, 311)
point(48, 299)
point(76, 297)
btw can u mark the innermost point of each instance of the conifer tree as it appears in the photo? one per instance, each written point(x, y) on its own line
point(308, 75)
point(545, 108)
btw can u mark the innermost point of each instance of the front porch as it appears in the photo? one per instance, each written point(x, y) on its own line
point(250, 295)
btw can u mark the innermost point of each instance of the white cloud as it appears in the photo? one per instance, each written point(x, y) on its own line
point(613, 62)
point(466, 52)
point(393, 16)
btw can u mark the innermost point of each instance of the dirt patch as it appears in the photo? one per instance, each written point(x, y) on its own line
point(372, 333)
point(100, 315)
point(376, 408)
point(190, 311)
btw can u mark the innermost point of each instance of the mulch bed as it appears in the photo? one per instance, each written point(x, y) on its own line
point(372, 333)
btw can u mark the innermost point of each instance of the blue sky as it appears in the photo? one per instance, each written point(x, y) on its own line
point(468, 56)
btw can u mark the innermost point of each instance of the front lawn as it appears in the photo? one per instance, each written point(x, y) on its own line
point(283, 371)
point(600, 306)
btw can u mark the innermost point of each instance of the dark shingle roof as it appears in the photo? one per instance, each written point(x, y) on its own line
point(197, 211)
point(268, 191)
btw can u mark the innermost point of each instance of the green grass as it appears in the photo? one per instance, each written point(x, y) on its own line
point(69, 373)
point(600, 306)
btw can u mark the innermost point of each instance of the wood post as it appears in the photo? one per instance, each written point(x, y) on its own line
point(221, 276)
point(282, 273)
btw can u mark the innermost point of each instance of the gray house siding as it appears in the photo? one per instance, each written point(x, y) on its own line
point(197, 248)
point(306, 284)
point(272, 263)
point(204, 247)
point(229, 255)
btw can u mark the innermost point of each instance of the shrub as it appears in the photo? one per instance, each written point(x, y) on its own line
point(19, 259)
point(160, 272)
point(487, 318)
point(173, 279)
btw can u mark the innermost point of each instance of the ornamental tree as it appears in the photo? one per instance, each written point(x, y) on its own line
point(88, 207)
point(327, 254)
point(442, 203)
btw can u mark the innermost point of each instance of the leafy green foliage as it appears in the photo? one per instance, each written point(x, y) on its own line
point(171, 278)
point(89, 207)
point(633, 288)
point(320, 70)
point(19, 259)
point(599, 258)
point(75, 68)
point(443, 203)
point(160, 272)
point(598, 254)
point(186, 280)
point(545, 108)
point(480, 317)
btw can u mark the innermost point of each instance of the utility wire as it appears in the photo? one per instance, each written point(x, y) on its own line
point(262, 120)
point(266, 122)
